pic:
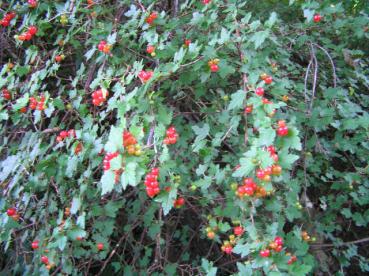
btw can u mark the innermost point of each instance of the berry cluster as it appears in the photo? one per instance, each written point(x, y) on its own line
point(171, 137)
point(227, 246)
point(65, 134)
point(130, 143)
point(205, 2)
point(250, 188)
point(32, 30)
point(266, 78)
point(6, 94)
point(5, 22)
point(265, 174)
point(108, 157)
point(179, 202)
point(99, 96)
point(306, 237)
point(277, 244)
point(282, 129)
point(151, 182)
point(151, 50)
point(104, 47)
point(37, 104)
point(32, 3)
point(145, 76)
point(292, 259)
point(12, 212)
point(213, 65)
point(151, 18)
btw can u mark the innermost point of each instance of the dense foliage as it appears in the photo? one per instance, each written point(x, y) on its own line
point(192, 137)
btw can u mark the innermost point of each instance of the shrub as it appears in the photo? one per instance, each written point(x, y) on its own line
point(184, 137)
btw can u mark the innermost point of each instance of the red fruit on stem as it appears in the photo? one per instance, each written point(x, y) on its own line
point(265, 253)
point(214, 67)
point(238, 230)
point(34, 244)
point(45, 260)
point(32, 30)
point(268, 80)
point(100, 246)
point(11, 212)
point(260, 173)
point(259, 91)
point(317, 18)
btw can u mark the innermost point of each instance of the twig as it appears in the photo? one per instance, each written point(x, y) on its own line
point(332, 63)
point(327, 245)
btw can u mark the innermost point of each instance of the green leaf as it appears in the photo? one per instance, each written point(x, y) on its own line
point(164, 115)
point(272, 19)
point(76, 203)
point(244, 270)
point(242, 249)
point(107, 182)
point(259, 37)
point(167, 200)
point(21, 102)
point(237, 100)
point(246, 168)
point(266, 136)
point(115, 140)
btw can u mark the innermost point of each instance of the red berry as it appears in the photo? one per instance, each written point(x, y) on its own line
point(292, 260)
point(32, 3)
point(268, 170)
point(32, 30)
point(45, 260)
point(248, 109)
point(260, 173)
point(145, 76)
point(238, 230)
point(228, 249)
point(34, 244)
point(179, 202)
point(214, 67)
point(278, 240)
point(4, 22)
point(268, 80)
point(6, 94)
point(187, 42)
point(27, 36)
point(11, 212)
point(205, 2)
point(265, 253)
point(282, 131)
point(271, 149)
point(150, 49)
point(281, 123)
point(317, 18)
point(100, 246)
point(259, 91)
point(249, 190)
